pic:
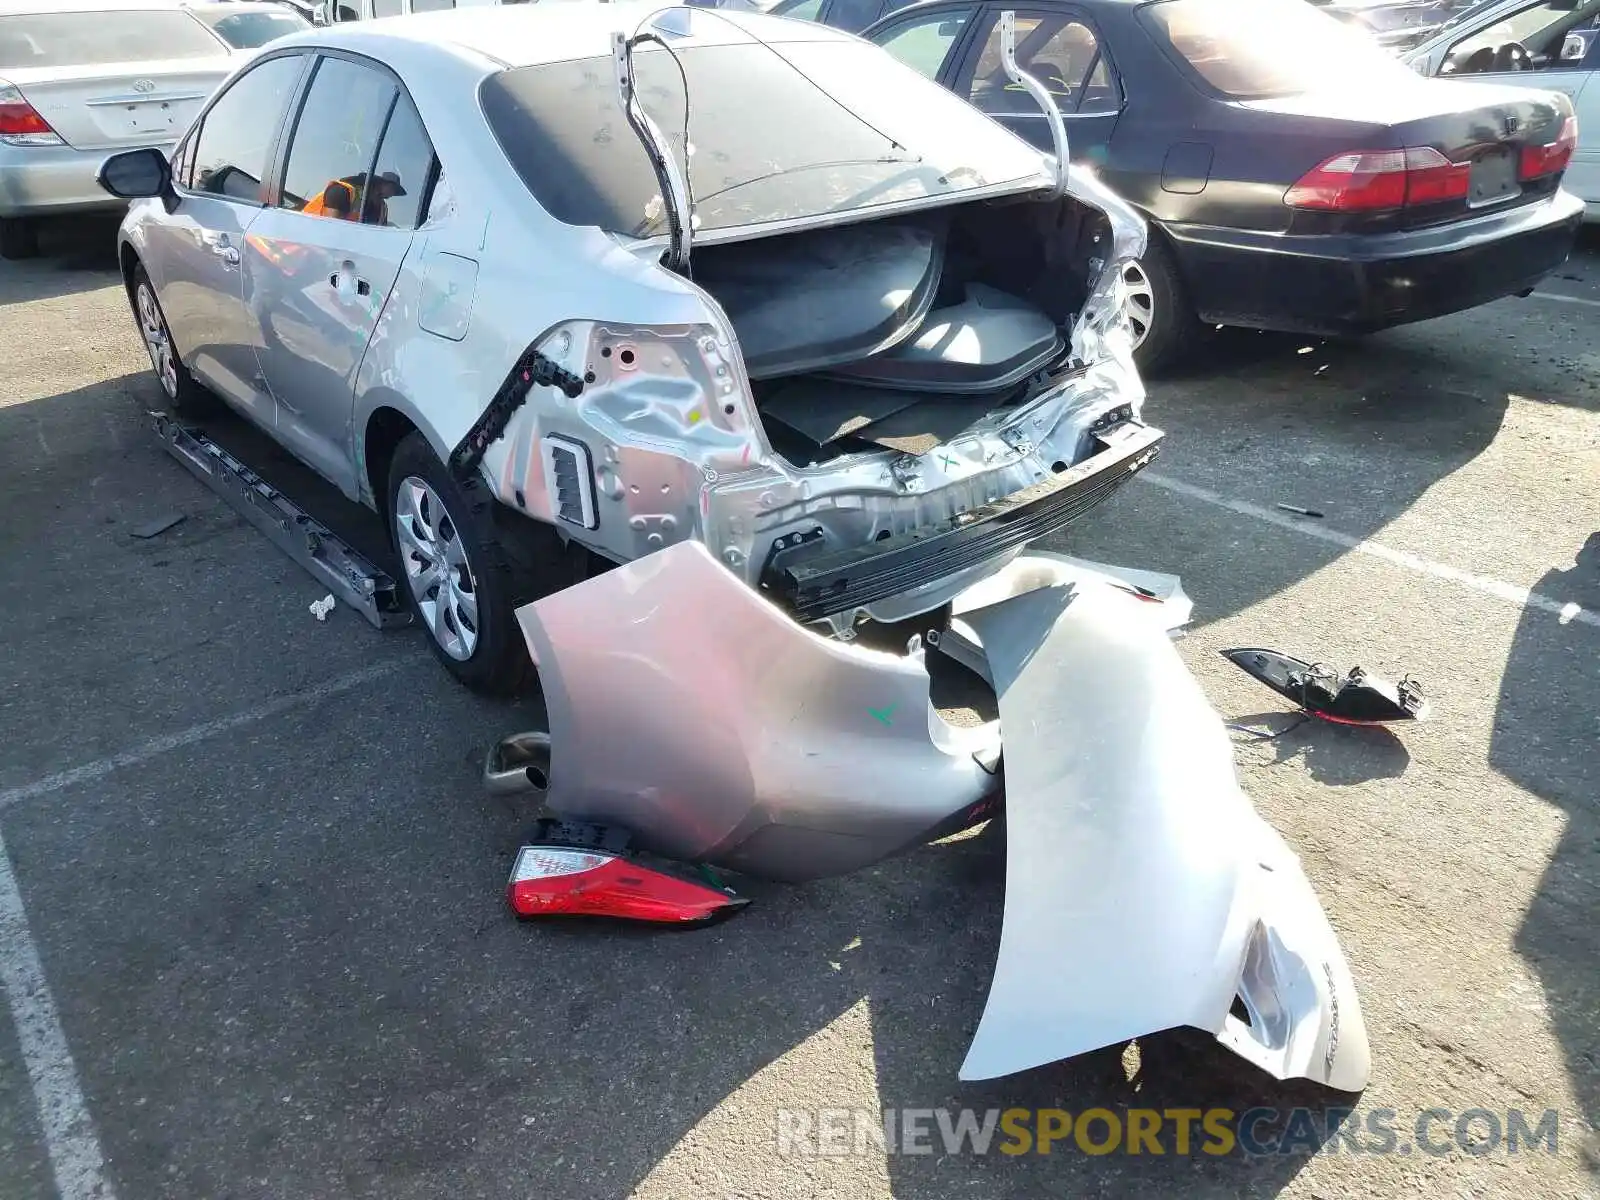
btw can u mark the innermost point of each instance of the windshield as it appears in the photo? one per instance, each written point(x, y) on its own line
point(87, 39)
point(1247, 49)
point(859, 130)
point(248, 30)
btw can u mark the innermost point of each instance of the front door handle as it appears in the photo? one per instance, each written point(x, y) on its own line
point(222, 247)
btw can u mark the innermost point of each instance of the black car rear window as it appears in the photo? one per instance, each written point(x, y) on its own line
point(1247, 49)
point(90, 39)
point(857, 130)
point(251, 30)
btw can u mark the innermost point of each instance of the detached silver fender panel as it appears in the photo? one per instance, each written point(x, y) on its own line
point(1143, 892)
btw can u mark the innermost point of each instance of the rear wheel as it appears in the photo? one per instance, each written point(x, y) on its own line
point(469, 564)
point(19, 238)
point(184, 395)
point(1165, 327)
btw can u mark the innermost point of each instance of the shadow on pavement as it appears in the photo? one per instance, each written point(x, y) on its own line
point(1546, 734)
point(76, 254)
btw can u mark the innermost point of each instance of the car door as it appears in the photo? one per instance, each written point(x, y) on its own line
point(1060, 47)
point(320, 261)
point(194, 253)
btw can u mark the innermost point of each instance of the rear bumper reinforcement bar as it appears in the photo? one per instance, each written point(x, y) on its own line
point(350, 577)
point(845, 579)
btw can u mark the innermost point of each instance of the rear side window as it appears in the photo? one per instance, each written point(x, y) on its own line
point(1060, 53)
point(235, 142)
point(1247, 49)
point(335, 141)
point(87, 39)
point(404, 160)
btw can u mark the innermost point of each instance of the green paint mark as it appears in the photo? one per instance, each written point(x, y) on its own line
point(947, 460)
point(884, 715)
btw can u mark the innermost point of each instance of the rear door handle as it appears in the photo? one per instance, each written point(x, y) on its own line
point(345, 278)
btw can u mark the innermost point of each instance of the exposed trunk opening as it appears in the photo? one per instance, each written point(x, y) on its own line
point(902, 332)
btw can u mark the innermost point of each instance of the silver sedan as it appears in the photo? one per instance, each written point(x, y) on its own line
point(81, 78)
point(551, 287)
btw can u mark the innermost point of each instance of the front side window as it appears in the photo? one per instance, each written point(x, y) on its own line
point(335, 140)
point(1248, 49)
point(90, 39)
point(232, 153)
point(1061, 53)
point(860, 130)
point(421, 6)
point(924, 43)
point(386, 8)
point(1532, 38)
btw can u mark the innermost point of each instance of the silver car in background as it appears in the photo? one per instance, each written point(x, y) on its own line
point(80, 79)
point(448, 260)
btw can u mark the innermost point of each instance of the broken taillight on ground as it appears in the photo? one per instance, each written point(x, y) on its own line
point(585, 871)
point(1354, 698)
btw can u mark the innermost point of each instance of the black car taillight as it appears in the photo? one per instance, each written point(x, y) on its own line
point(1376, 180)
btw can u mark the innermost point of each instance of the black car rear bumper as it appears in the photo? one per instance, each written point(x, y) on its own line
point(1353, 283)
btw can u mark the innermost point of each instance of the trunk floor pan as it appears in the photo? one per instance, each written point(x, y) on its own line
point(826, 411)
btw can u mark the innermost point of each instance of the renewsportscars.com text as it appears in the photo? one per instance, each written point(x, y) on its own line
point(1217, 1132)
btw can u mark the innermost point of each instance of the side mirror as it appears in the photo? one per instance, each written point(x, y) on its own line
point(136, 174)
point(1574, 48)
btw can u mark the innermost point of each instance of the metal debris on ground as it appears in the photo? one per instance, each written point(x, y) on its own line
point(321, 608)
point(159, 525)
point(1304, 512)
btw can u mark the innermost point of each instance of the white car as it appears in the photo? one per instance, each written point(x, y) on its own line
point(81, 79)
point(1551, 45)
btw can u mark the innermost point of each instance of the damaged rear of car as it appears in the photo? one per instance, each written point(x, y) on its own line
point(849, 333)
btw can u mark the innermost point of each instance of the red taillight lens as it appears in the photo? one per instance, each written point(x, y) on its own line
point(20, 122)
point(1374, 180)
point(1539, 161)
point(563, 881)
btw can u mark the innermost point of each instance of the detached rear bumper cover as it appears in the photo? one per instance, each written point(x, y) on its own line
point(1142, 890)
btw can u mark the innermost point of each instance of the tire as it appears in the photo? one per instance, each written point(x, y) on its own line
point(496, 561)
point(19, 238)
point(182, 391)
point(1159, 301)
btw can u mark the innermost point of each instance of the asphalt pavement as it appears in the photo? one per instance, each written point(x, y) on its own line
point(252, 931)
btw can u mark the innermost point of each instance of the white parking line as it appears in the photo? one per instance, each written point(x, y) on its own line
point(195, 733)
point(75, 1158)
point(1500, 590)
point(1566, 299)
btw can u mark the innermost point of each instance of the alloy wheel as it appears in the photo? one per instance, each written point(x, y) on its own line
point(1138, 302)
point(436, 567)
point(153, 327)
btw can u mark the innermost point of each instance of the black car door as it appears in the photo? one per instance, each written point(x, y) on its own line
point(1061, 47)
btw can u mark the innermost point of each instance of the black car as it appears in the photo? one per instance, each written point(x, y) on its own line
point(1296, 176)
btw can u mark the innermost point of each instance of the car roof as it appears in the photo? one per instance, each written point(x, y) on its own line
point(553, 31)
point(39, 7)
